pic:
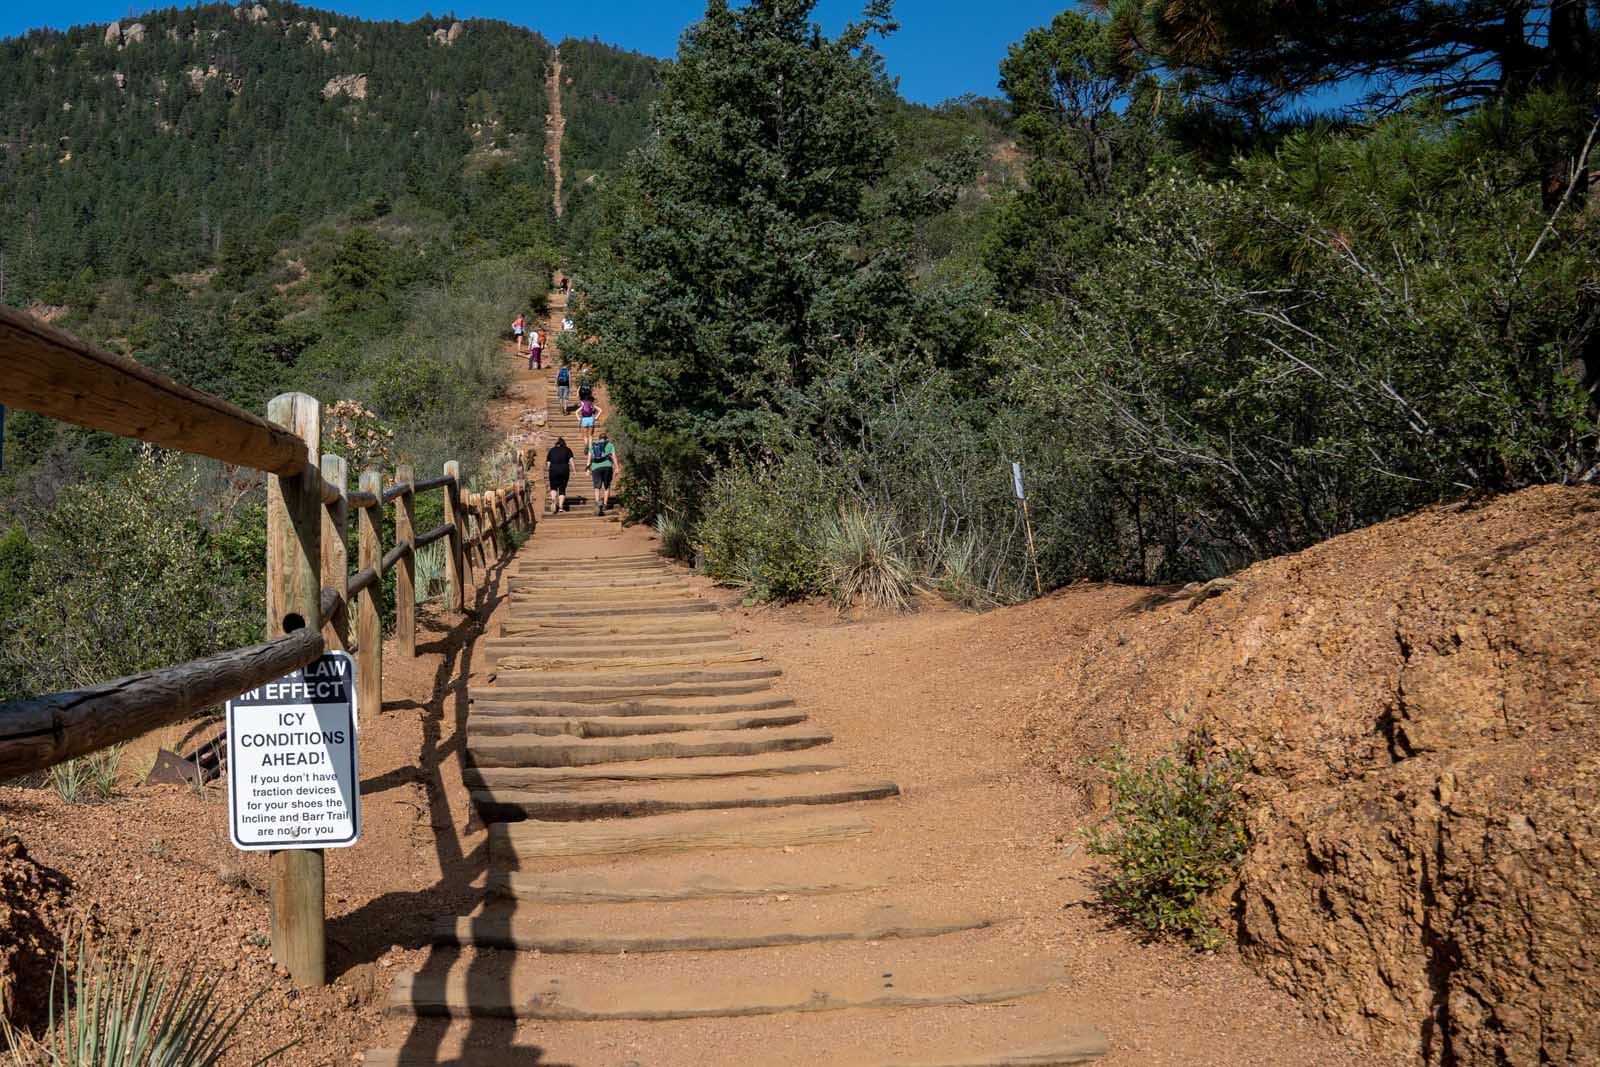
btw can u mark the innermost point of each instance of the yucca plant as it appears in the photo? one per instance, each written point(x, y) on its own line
point(865, 561)
point(122, 1011)
point(91, 777)
point(673, 534)
point(431, 579)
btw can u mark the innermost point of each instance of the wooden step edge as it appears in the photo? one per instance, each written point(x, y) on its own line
point(553, 999)
point(630, 725)
point(505, 805)
point(885, 923)
point(1084, 1045)
point(583, 887)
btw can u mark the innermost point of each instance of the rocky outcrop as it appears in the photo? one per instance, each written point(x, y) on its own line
point(448, 37)
point(1422, 713)
point(134, 34)
point(113, 35)
point(351, 85)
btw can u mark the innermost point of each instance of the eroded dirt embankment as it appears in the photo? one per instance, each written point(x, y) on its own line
point(1421, 703)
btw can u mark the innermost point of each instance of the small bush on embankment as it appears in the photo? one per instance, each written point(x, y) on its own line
point(1176, 835)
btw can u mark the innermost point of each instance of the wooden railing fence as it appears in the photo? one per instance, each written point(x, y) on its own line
point(310, 588)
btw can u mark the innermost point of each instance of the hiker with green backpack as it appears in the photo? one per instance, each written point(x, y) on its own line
point(602, 465)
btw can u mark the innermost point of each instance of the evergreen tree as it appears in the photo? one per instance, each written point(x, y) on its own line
point(741, 259)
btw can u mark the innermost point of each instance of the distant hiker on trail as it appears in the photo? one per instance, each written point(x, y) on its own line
point(535, 351)
point(563, 384)
point(557, 469)
point(566, 324)
point(588, 413)
point(602, 460)
point(516, 332)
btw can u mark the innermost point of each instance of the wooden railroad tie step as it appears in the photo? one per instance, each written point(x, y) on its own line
point(627, 725)
point(608, 775)
point(1083, 1044)
point(484, 996)
point(510, 844)
point(505, 805)
point(595, 693)
point(685, 607)
point(649, 931)
point(576, 752)
point(633, 887)
point(620, 661)
point(641, 626)
point(491, 702)
point(664, 676)
point(670, 644)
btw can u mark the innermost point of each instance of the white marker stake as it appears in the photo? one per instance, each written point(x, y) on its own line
point(1016, 478)
point(293, 777)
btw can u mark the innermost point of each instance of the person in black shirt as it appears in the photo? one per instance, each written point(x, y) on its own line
point(558, 468)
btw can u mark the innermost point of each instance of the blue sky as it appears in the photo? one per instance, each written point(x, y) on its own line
point(944, 47)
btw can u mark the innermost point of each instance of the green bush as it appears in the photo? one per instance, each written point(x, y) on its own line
point(133, 574)
point(755, 534)
point(1177, 835)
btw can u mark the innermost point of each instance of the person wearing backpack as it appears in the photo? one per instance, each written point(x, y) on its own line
point(585, 390)
point(602, 465)
point(588, 414)
point(563, 383)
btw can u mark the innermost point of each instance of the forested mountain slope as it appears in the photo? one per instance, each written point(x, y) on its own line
point(147, 146)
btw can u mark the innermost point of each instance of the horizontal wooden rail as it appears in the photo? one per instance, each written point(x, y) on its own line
point(424, 540)
point(360, 581)
point(53, 373)
point(358, 499)
point(432, 483)
point(41, 731)
point(395, 555)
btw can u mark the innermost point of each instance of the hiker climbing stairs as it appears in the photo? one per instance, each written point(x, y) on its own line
point(671, 841)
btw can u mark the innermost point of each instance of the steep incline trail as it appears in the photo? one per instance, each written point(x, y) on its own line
point(556, 127)
point(702, 836)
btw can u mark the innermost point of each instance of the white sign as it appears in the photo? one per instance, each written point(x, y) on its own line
point(292, 772)
point(1016, 476)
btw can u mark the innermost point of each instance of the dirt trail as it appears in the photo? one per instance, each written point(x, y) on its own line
point(718, 835)
point(556, 127)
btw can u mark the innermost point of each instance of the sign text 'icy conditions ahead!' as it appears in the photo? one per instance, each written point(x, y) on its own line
point(292, 772)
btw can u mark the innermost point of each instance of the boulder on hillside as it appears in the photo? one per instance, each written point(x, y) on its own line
point(351, 85)
point(134, 34)
point(113, 35)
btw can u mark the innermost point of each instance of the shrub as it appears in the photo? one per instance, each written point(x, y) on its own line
point(754, 534)
point(127, 577)
point(122, 1011)
point(1177, 835)
point(864, 561)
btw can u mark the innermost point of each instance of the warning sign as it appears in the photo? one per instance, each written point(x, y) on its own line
point(292, 778)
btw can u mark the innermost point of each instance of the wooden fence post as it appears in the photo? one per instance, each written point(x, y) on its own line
point(294, 594)
point(335, 553)
point(369, 619)
point(405, 581)
point(490, 523)
point(452, 515)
